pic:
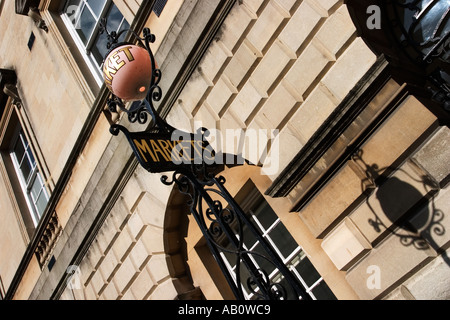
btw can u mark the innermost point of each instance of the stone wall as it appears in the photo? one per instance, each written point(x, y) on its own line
point(47, 87)
point(127, 258)
point(48, 91)
point(273, 65)
point(388, 219)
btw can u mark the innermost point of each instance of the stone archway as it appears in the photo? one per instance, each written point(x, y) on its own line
point(176, 223)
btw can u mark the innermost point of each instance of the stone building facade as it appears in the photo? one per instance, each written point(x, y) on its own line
point(350, 160)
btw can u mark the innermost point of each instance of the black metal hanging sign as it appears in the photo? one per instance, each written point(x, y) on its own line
point(194, 164)
point(163, 152)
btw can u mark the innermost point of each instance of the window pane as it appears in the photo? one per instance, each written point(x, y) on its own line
point(41, 202)
point(230, 256)
point(26, 168)
point(23, 156)
point(125, 25)
point(283, 239)
point(307, 271)
point(86, 25)
point(114, 18)
point(262, 262)
point(31, 181)
point(96, 6)
point(323, 292)
point(248, 237)
point(115, 22)
point(265, 214)
point(36, 187)
point(39, 194)
point(30, 157)
point(73, 10)
point(99, 50)
point(19, 150)
point(27, 165)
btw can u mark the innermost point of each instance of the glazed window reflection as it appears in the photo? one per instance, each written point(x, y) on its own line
point(274, 231)
point(83, 18)
point(31, 181)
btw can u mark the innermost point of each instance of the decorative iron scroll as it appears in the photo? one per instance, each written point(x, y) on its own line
point(222, 220)
point(138, 111)
point(195, 176)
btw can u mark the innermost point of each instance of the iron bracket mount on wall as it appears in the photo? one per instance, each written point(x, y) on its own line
point(194, 166)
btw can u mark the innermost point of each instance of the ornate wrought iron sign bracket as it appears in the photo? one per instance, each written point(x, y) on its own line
point(194, 165)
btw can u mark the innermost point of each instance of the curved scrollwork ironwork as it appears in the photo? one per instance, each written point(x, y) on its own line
point(275, 290)
point(414, 37)
point(219, 217)
point(139, 111)
point(224, 224)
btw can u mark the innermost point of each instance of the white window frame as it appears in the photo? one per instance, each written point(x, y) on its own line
point(85, 49)
point(27, 184)
point(297, 252)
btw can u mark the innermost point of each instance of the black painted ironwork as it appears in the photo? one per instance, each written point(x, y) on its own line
point(216, 212)
point(414, 37)
point(421, 29)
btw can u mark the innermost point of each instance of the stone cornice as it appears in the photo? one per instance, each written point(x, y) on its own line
point(329, 132)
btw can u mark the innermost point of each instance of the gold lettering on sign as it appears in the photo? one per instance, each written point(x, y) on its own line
point(167, 147)
point(127, 52)
point(143, 148)
point(165, 150)
point(114, 63)
point(157, 149)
